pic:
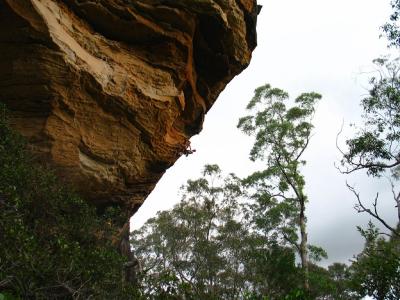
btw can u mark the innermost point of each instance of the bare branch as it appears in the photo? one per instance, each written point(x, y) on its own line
point(360, 208)
point(337, 138)
point(303, 149)
point(360, 166)
point(396, 197)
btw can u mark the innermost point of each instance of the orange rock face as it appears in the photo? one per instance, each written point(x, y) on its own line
point(110, 91)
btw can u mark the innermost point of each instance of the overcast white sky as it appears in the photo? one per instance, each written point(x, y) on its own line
point(310, 45)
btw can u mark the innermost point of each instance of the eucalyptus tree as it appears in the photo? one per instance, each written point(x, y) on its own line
point(282, 132)
point(375, 147)
point(195, 250)
point(205, 248)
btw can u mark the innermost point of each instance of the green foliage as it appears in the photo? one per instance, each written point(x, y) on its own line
point(316, 253)
point(282, 133)
point(7, 296)
point(341, 286)
point(375, 147)
point(297, 294)
point(392, 28)
point(276, 126)
point(376, 144)
point(53, 244)
point(204, 248)
point(376, 270)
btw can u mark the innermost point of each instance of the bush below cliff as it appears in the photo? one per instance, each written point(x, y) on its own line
point(54, 245)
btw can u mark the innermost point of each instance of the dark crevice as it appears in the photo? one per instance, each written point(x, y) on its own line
point(212, 63)
point(83, 148)
point(116, 24)
point(193, 114)
point(251, 24)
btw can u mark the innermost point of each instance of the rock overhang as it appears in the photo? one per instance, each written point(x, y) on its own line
point(109, 92)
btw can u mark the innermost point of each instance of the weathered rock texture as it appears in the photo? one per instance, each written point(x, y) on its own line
point(110, 91)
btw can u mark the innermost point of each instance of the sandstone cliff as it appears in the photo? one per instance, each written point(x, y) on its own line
point(110, 91)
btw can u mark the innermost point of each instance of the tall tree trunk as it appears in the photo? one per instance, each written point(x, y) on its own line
point(303, 245)
point(398, 208)
point(397, 199)
point(132, 268)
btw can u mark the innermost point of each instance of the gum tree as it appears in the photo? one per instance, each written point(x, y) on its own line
point(196, 248)
point(375, 148)
point(282, 131)
point(205, 248)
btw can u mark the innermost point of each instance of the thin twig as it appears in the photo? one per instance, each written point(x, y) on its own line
point(361, 208)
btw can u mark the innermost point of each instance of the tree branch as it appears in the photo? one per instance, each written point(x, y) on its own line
point(289, 181)
point(286, 237)
point(360, 208)
point(303, 149)
point(360, 166)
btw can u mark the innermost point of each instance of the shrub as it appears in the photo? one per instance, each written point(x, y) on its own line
point(54, 245)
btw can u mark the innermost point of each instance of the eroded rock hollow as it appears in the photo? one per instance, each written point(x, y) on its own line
point(110, 91)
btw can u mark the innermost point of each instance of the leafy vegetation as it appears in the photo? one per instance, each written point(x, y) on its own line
point(392, 28)
point(281, 136)
point(376, 270)
point(238, 239)
point(375, 148)
point(229, 238)
point(206, 248)
point(54, 245)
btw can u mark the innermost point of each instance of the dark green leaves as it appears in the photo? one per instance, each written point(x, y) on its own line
point(375, 147)
point(392, 28)
point(206, 248)
point(266, 93)
point(376, 270)
point(282, 130)
point(53, 243)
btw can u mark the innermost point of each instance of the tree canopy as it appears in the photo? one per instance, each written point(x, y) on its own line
point(204, 249)
point(282, 134)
